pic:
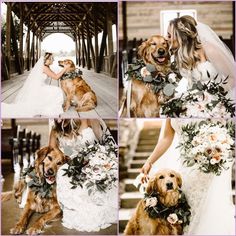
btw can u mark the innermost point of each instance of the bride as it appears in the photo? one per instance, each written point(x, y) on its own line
point(209, 195)
point(82, 211)
point(36, 98)
point(200, 55)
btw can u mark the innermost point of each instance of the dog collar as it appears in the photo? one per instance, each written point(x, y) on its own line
point(178, 214)
point(71, 75)
point(39, 186)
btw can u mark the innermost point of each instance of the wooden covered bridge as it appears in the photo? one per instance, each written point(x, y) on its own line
point(80, 21)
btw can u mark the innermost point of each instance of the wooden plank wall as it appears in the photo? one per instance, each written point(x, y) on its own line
point(143, 18)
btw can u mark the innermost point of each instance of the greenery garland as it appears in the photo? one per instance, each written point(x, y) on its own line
point(154, 79)
point(36, 184)
point(71, 75)
point(176, 106)
point(181, 210)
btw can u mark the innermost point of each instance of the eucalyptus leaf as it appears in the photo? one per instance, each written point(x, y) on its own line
point(148, 78)
point(151, 68)
point(169, 89)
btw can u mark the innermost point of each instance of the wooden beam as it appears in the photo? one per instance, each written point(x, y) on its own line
point(8, 38)
point(85, 60)
point(124, 19)
point(102, 48)
point(109, 30)
point(79, 48)
point(33, 50)
point(15, 47)
point(95, 37)
point(76, 51)
point(88, 47)
point(21, 37)
point(28, 58)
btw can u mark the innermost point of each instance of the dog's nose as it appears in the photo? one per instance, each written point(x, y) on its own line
point(50, 171)
point(161, 51)
point(169, 185)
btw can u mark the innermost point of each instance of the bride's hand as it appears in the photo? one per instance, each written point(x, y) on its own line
point(145, 170)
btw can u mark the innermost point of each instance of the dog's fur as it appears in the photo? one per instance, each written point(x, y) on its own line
point(144, 102)
point(77, 91)
point(47, 164)
point(141, 223)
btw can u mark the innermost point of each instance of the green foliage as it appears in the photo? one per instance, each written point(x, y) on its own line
point(181, 209)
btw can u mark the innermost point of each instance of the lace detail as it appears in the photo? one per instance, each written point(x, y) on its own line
point(81, 211)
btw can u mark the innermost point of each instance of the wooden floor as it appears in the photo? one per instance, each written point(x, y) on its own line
point(104, 86)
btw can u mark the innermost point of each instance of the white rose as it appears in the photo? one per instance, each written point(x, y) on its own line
point(172, 218)
point(27, 179)
point(151, 202)
point(144, 72)
point(213, 161)
point(172, 77)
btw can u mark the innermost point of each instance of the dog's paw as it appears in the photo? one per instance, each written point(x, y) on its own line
point(33, 230)
point(17, 230)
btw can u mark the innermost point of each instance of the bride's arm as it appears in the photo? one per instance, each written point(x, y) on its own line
point(53, 141)
point(161, 147)
point(53, 75)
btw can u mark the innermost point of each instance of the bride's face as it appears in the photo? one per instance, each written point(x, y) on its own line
point(50, 61)
point(170, 38)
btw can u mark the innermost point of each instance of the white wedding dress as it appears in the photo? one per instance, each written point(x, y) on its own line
point(209, 196)
point(81, 211)
point(35, 98)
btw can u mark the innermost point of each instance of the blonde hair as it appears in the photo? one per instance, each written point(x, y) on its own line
point(47, 56)
point(184, 30)
point(67, 127)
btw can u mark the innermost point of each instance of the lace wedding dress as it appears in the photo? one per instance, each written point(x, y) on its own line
point(209, 196)
point(81, 211)
point(35, 98)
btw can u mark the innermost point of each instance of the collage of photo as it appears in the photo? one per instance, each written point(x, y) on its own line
point(118, 117)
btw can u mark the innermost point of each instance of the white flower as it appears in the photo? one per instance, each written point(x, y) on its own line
point(172, 218)
point(144, 72)
point(213, 161)
point(151, 202)
point(172, 77)
point(27, 179)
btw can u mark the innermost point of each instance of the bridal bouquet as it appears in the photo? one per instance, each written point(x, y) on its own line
point(207, 145)
point(95, 167)
point(202, 100)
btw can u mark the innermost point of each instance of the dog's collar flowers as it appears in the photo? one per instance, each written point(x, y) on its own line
point(71, 75)
point(38, 185)
point(178, 214)
point(150, 76)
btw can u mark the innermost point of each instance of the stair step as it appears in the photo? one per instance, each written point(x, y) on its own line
point(133, 173)
point(130, 199)
point(124, 216)
point(137, 163)
point(129, 186)
point(145, 148)
point(141, 155)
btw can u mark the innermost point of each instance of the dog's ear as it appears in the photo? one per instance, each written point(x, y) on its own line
point(66, 159)
point(40, 156)
point(151, 186)
point(142, 49)
point(179, 180)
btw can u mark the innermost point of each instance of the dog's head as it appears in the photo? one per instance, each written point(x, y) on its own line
point(67, 62)
point(48, 162)
point(166, 183)
point(154, 51)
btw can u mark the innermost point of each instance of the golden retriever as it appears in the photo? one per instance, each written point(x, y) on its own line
point(144, 102)
point(77, 91)
point(166, 183)
point(46, 166)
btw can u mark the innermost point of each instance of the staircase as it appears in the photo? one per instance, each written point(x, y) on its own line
point(129, 199)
